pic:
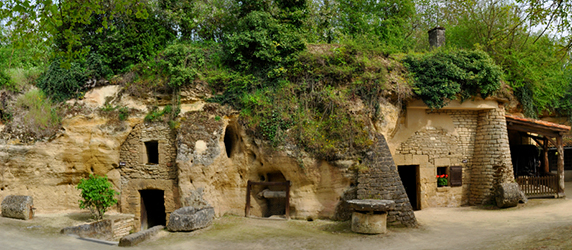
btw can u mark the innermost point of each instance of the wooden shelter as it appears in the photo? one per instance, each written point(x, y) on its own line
point(543, 133)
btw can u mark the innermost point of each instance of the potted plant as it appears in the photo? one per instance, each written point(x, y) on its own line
point(442, 180)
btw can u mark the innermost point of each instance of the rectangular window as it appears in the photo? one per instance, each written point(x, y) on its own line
point(442, 176)
point(152, 152)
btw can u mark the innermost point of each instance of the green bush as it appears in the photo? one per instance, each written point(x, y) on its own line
point(62, 83)
point(443, 76)
point(64, 80)
point(97, 195)
point(262, 45)
point(6, 81)
point(183, 64)
point(35, 112)
point(157, 115)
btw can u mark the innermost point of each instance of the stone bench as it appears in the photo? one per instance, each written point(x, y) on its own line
point(370, 216)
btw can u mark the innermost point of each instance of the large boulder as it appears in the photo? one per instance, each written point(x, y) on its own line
point(508, 195)
point(18, 207)
point(190, 218)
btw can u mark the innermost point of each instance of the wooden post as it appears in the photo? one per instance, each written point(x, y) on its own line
point(561, 193)
point(545, 153)
point(247, 208)
point(287, 212)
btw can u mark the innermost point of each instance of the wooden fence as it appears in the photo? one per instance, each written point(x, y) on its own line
point(538, 186)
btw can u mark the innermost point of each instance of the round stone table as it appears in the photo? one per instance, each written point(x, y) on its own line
point(370, 216)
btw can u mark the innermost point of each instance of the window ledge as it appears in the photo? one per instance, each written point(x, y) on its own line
point(443, 189)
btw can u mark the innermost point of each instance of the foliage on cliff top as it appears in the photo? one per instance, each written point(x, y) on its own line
point(444, 75)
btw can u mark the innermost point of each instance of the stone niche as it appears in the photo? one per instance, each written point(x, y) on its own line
point(148, 172)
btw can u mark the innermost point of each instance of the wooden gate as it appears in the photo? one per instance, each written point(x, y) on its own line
point(533, 186)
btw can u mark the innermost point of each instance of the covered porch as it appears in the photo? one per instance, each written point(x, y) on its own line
point(533, 173)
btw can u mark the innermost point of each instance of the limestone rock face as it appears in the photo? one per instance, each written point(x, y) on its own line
point(208, 159)
point(18, 207)
point(219, 173)
point(190, 219)
point(50, 170)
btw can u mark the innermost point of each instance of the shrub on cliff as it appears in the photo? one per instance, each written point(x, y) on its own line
point(97, 195)
point(443, 76)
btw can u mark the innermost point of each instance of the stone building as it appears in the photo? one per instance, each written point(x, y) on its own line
point(149, 187)
point(466, 141)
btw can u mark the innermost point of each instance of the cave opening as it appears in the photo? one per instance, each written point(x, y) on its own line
point(275, 206)
point(230, 139)
point(152, 208)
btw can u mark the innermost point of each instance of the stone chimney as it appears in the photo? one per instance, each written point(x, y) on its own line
point(436, 37)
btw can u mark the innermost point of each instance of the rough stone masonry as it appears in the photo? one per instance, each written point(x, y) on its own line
point(381, 181)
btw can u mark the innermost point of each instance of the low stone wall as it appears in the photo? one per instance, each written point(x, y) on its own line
point(122, 227)
point(109, 229)
point(136, 238)
point(97, 230)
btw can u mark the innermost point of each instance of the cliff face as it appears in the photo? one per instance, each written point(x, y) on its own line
point(213, 158)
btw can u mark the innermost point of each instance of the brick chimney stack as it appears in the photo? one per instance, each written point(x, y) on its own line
point(436, 37)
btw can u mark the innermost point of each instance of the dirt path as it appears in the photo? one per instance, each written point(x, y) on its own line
point(540, 224)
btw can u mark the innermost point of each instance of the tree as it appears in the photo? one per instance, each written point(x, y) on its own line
point(264, 43)
point(97, 195)
point(43, 21)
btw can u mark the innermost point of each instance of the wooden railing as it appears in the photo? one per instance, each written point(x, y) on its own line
point(538, 186)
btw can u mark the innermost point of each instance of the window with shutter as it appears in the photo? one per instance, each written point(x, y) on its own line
point(456, 176)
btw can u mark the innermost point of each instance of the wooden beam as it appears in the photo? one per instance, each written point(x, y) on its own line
point(532, 129)
point(555, 128)
point(560, 148)
point(545, 158)
point(541, 143)
point(247, 207)
point(287, 211)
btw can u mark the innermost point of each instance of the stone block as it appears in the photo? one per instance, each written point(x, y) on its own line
point(508, 195)
point(442, 162)
point(420, 159)
point(369, 223)
point(136, 238)
point(18, 207)
point(190, 218)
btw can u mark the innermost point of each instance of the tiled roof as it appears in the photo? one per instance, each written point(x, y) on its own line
point(538, 123)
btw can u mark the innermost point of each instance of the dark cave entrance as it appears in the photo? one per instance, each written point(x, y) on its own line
point(409, 175)
point(152, 208)
point(230, 139)
point(275, 206)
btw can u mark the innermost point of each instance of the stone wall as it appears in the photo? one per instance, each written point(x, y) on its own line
point(492, 163)
point(134, 153)
point(442, 147)
point(381, 181)
point(472, 135)
point(136, 173)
